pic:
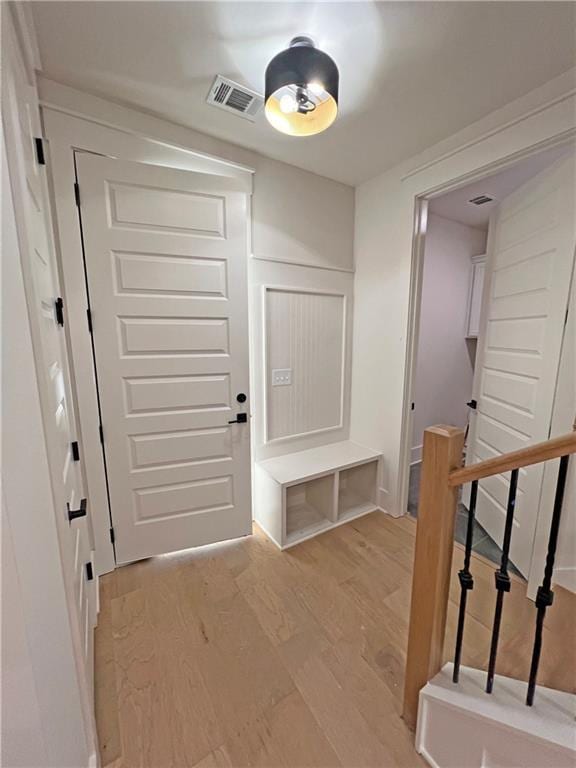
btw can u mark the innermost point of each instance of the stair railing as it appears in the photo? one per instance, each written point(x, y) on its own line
point(440, 480)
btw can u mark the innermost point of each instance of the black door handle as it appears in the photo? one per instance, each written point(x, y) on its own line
point(74, 514)
point(472, 404)
point(242, 418)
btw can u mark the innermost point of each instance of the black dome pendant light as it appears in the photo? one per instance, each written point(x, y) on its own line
point(301, 92)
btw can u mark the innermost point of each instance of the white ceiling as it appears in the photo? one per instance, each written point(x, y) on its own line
point(456, 206)
point(412, 73)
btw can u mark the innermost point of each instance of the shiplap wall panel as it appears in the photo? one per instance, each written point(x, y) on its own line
point(305, 333)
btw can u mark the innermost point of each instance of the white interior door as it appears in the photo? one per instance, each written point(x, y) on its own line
point(166, 261)
point(528, 282)
point(42, 285)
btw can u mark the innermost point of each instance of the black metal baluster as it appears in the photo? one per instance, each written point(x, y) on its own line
point(502, 579)
point(466, 581)
point(545, 595)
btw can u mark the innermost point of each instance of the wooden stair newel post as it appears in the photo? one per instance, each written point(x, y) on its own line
point(442, 453)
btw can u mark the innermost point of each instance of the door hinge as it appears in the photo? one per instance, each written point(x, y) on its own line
point(59, 307)
point(89, 572)
point(74, 514)
point(412, 406)
point(75, 450)
point(89, 316)
point(101, 430)
point(77, 193)
point(112, 536)
point(40, 159)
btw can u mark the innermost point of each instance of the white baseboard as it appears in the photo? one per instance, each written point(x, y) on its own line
point(383, 499)
point(416, 454)
point(395, 515)
point(565, 577)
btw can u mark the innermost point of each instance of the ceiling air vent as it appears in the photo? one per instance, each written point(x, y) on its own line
point(481, 200)
point(228, 95)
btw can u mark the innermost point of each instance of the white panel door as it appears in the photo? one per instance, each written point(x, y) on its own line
point(42, 292)
point(519, 350)
point(166, 261)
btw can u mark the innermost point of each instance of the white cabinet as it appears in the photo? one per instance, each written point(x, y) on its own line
point(475, 302)
point(302, 494)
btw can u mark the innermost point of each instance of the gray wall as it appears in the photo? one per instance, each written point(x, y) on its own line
point(444, 367)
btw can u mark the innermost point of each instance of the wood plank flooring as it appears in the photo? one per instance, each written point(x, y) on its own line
point(241, 655)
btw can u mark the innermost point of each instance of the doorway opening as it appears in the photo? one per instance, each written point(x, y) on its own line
point(482, 270)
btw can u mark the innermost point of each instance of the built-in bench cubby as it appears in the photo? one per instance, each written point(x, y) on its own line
point(357, 489)
point(309, 507)
point(300, 495)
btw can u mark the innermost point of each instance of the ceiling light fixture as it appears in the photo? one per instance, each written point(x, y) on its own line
point(301, 91)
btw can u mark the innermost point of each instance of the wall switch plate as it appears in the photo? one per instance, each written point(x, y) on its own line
point(282, 377)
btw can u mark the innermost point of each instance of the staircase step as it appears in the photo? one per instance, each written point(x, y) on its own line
point(461, 725)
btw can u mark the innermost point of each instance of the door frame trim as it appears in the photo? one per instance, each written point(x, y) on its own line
point(66, 134)
point(421, 200)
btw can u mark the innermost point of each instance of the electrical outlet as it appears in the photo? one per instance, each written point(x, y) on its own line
point(282, 377)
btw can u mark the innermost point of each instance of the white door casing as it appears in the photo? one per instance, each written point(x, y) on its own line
point(527, 286)
point(40, 271)
point(166, 261)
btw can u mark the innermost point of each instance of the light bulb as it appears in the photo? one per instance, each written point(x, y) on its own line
point(316, 88)
point(288, 104)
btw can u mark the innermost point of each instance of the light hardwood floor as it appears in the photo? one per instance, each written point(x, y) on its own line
point(242, 655)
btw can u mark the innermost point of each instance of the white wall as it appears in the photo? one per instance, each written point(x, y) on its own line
point(445, 360)
point(42, 716)
point(297, 216)
point(301, 217)
point(302, 237)
point(563, 420)
point(22, 742)
point(383, 257)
